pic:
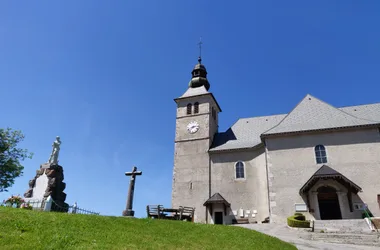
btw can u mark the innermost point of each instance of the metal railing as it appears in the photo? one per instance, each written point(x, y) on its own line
point(48, 205)
point(368, 215)
point(74, 209)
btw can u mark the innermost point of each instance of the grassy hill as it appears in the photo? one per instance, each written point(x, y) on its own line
point(24, 229)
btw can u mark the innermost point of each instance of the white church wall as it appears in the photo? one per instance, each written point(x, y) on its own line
point(250, 194)
point(291, 162)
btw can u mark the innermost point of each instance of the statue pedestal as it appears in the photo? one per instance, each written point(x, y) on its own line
point(48, 182)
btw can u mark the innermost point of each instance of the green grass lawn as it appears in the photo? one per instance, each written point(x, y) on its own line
point(24, 229)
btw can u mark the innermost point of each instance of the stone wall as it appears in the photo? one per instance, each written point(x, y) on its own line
point(191, 159)
point(249, 194)
point(291, 162)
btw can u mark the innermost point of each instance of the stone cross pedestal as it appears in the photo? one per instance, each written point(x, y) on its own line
point(128, 211)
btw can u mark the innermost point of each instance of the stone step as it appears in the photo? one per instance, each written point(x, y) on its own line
point(342, 226)
point(355, 239)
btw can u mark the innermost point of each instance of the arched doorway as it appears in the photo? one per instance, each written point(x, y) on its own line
point(329, 208)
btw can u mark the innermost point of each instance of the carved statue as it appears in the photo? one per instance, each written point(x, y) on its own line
point(55, 152)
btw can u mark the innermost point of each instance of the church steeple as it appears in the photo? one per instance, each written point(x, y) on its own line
point(199, 76)
point(199, 73)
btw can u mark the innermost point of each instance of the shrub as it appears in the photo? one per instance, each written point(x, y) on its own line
point(298, 220)
point(299, 217)
point(26, 206)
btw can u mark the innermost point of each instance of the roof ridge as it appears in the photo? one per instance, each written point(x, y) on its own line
point(261, 116)
point(286, 115)
point(341, 110)
point(359, 105)
point(319, 100)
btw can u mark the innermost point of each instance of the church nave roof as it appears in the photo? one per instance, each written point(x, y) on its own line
point(311, 114)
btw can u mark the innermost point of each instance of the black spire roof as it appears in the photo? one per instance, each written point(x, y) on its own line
point(199, 76)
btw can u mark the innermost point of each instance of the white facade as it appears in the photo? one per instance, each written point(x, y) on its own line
point(257, 168)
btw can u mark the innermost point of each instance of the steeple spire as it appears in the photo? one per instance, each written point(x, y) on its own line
point(200, 50)
point(199, 73)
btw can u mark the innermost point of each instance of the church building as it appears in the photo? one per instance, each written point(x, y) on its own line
point(321, 160)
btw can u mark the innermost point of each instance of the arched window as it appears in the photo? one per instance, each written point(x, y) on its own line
point(239, 170)
point(189, 107)
point(320, 154)
point(196, 108)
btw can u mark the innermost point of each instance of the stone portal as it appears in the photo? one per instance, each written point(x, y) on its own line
point(328, 201)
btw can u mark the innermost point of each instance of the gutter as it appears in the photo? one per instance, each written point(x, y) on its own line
point(262, 136)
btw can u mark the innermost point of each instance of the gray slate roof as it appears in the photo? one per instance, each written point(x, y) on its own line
point(195, 91)
point(310, 114)
point(367, 111)
point(198, 91)
point(245, 133)
point(327, 172)
point(216, 198)
point(314, 114)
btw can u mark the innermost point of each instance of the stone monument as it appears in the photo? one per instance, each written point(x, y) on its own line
point(49, 181)
point(129, 211)
point(55, 151)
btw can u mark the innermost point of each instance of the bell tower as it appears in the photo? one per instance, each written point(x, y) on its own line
point(196, 125)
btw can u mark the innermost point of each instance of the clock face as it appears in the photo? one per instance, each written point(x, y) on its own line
point(192, 127)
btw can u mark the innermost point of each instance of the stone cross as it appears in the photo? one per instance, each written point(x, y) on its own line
point(128, 211)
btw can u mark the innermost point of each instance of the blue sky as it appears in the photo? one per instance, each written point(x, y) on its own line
point(103, 76)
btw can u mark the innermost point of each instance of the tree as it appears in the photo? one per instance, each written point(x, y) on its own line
point(10, 157)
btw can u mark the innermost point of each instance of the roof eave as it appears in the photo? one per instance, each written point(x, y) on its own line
point(266, 135)
point(217, 202)
point(236, 149)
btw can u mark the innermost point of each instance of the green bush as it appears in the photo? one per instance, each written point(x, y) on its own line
point(298, 220)
point(299, 217)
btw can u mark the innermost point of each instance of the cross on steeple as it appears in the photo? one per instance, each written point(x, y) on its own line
point(200, 50)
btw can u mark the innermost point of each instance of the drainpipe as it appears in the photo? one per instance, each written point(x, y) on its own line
point(209, 184)
point(266, 165)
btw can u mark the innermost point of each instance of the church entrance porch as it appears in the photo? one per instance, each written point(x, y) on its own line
point(328, 201)
point(329, 195)
point(217, 207)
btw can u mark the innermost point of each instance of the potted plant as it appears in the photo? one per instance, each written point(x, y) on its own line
point(16, 200)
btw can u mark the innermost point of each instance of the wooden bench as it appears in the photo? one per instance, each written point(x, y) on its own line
point(154, 211)
point(186, 213)
point(159, 212)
